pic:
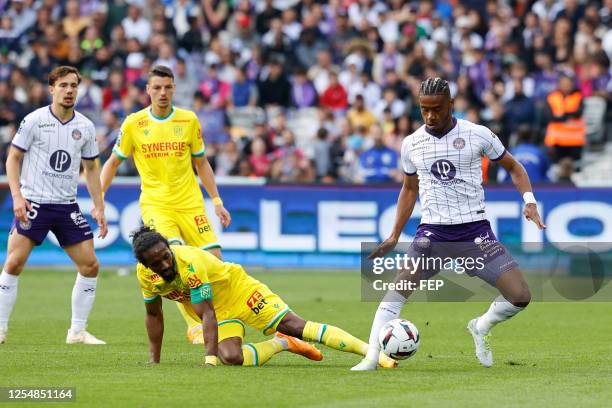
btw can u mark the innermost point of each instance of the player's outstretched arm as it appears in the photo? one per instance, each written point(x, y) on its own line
point(92, 177)
point(206, 311)
point(13, 169)
point(154, 320)
point(208, 181)
point(520, 179)
point(108, 171)
point(405, 205)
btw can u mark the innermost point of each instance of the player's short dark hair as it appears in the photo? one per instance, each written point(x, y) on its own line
point(160, 71)
point(62, 71)
point(434, 86)
point(143, 239)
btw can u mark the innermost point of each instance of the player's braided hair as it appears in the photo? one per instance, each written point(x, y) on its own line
point(144, 238)
point(434, 86)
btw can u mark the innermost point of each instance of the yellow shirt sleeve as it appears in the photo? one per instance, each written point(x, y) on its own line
point(147, 295)
point(124, 146)
point(197, 144)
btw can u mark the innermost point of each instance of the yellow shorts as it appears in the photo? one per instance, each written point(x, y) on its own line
point(250, 302)
point(185, 227)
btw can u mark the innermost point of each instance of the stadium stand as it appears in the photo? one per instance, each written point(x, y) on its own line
point(285, 75)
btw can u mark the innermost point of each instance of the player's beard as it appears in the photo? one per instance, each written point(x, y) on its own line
point(67, 106)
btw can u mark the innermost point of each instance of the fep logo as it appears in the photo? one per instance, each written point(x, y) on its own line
point(200, 220)
point(60, 161)
point(443, 170)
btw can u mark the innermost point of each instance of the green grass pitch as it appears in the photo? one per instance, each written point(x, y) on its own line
point(553, 354)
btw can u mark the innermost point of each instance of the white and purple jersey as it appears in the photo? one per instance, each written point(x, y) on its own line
point(53, 153)
point(450, 171)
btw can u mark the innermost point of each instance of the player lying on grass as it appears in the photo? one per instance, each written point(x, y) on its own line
point(225, 298)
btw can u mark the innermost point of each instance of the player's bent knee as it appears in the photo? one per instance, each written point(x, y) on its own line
point(90, 269)
point(231, 357)
point(521, 299)
point(14, 265)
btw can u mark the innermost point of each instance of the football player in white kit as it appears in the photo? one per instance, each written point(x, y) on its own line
point(442, 165)
point(53, 141)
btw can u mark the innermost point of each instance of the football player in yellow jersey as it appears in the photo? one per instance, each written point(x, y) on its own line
point(225, 298)
point(166, 142)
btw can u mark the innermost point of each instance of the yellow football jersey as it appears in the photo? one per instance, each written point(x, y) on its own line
point(200, 276)
point(162, 149)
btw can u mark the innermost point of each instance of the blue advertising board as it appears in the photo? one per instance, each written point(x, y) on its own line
point(323, 226)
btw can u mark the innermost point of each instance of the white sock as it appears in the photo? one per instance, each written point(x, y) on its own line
point(8, 295)
point(389, 309)
point(499, 311)
point(83, 296)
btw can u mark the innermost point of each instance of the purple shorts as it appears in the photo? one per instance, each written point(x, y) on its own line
point(460, 242)
point(65, 221)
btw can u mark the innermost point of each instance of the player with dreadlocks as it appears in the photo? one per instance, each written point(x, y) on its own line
point(442, 165)
point(224, 298)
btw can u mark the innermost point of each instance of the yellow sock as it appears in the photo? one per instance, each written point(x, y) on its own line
point(189, 319)
point(258, 354)
point(334, 337)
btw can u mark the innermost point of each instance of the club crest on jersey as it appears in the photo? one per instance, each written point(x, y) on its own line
point(25, 225)
point(76, 134)
point(443, 170)
point(178, 131)
point(459, 143)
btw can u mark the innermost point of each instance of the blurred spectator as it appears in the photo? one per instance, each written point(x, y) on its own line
point(530, 155)
point(359, 116)
point(275, 90)
point(565, 171)
point(22, 15)
point(322, 153)
point(259, 159)
point(135, 25)
point(520, 109)
point(335, 96)
point(244, 90)
point(214, 120)
point(379, 164)
point(74, 22)
point(185, 85)
point(303, 93)
point(227, 158)
point(565, 133)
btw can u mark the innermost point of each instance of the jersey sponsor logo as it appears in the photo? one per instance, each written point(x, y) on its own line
point(60, 161)
point(155, 277)
point(443, 170)
point(142, 123)
point(194, 282)
point(163, 149)
point(78, 219)
point(256, 302)
point(459, 143)
point(46, 125)
point(178, 296)
point(201, 223)
point(180, 121)
point(76, 134)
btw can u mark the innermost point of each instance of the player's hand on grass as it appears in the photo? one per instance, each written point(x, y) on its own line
point(21, 206)
point(98, 215)
point(531, 213)
point(386, 246)
point(224, 215)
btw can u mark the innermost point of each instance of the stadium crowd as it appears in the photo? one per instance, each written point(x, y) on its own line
point(324, 90)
